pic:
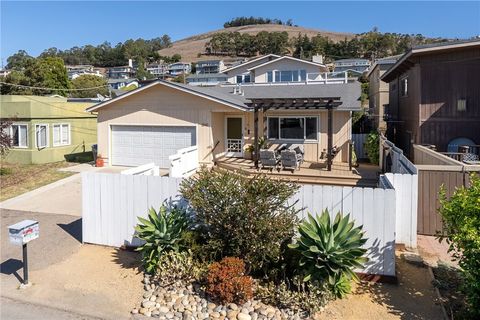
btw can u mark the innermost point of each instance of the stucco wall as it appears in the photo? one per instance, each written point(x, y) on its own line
point(83, 133)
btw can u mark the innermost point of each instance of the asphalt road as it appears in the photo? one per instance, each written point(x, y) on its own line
point(17, 310)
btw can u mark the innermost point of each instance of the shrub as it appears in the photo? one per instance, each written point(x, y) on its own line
point(241, 216)
point(330, 251)
point(372, 145)
point(161, 233)
point(309, 297)
point(227, 282)
point(174, 266)
point(461, 230)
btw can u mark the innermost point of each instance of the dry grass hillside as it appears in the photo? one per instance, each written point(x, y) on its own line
point(190, 47)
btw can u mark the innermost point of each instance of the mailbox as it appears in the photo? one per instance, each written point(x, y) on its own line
point(23, 232)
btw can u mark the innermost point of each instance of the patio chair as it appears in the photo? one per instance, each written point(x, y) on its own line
point(268, 159)
point(290, 159)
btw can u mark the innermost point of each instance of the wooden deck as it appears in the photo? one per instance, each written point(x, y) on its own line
point(365, 175)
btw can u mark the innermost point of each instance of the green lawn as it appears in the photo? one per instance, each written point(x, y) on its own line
point(16, 179)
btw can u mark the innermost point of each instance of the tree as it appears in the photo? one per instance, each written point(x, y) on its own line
point(89, 81)
point(48, 72)
point(19, 60)
point(142, 73)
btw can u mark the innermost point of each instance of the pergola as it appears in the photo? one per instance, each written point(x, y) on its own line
point(264, 104)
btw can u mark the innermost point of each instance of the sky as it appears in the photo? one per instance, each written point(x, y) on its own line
point(38, 25)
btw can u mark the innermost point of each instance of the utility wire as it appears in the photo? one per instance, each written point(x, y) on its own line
point(50, 89)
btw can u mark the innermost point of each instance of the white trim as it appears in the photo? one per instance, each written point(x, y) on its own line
point(251, 61)
point(317, 140)
point(289, 58)
point(47, 132)
point(10, 132)
point(233, 154)
point(110, 146)
point(167, 84)
point(61, 144)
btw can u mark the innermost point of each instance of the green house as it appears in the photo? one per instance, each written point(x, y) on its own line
point(48, 129)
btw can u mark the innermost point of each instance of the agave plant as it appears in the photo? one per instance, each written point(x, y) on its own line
point(330, 251)
point(162, 232)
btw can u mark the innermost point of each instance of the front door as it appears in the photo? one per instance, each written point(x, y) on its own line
point(234, 135)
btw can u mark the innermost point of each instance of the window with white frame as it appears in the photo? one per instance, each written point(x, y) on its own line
point(41, 135)
point(61, 134)
point(293, 128)
point(19, 135)
point(286, 75)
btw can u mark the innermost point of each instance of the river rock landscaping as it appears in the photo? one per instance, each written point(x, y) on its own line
point(180, 301)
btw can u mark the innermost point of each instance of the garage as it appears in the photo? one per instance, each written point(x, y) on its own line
point(137, 145)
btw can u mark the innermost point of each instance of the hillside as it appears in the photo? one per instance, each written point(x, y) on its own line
point(190, 47)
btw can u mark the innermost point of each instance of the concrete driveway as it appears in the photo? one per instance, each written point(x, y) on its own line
point(60, 197)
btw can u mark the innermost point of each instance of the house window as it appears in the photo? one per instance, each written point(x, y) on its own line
point(462, 105)
point(19, 135)
point(270, 76)
point(61, 134)
point(287, 76)
point(404, 87)
point(293, 128)
point(41, 135)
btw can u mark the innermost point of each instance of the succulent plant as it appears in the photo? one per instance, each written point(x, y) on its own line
point(330, 251)
point(162, 232)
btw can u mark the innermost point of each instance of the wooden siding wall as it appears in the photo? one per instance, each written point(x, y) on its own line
point(445, 79)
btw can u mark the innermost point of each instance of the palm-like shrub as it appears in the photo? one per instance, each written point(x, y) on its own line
point(330, 251)
point(161, 232)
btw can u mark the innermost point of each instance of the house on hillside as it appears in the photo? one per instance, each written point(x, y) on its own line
point(378, 91)
point(179, 68)
point(122, 72)
point(434, 97)
point(225, 123)
point(353, 66)
point(209, 66)
point(122, 83)
point(75, 71)
point(48, 129)
point(157, 69)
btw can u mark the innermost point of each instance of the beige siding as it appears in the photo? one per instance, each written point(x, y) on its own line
point(161, 105)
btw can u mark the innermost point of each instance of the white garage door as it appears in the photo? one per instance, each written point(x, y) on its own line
point(137, 145)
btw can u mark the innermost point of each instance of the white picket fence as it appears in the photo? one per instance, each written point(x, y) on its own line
point(359, 140)
point(184, 162)
point(112, 202)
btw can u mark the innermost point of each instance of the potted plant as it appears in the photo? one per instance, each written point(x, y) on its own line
point(250, 148)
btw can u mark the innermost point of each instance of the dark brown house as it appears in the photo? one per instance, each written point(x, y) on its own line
point(435, 96)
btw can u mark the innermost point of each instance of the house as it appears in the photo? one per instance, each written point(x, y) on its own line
point(122, 83)
point(434, 96)
point(47, 129)
point(353, 66)
point(153, 122)
point(4, 72)
point(157, 69)
point(179, 68)
point(272, 68)
point(209, 66)
point(122, 72)
point(75, 71)
point(209, 79)
point(378, 91)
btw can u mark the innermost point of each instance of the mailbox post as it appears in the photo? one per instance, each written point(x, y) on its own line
point(22, 233)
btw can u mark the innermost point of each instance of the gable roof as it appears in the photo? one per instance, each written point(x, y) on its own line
point(426, 49)
point(288, 58)
point(383, 61)
point(347, 93)
point(251, 61)
point(223, 99)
